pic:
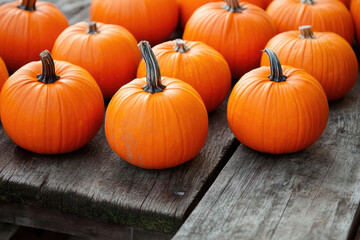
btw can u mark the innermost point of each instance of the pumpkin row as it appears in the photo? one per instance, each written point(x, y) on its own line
point(155, 20)
point(153, 112)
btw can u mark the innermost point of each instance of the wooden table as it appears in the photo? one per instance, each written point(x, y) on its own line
point(228, 191)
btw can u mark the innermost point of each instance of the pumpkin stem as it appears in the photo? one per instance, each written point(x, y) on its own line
point(48, 74)
point(181, 46)
point(93, 28)
point(275, 66)
point(28, 5)
point(311, 2)
point(233, 6)
point(306, 32)
point(153, 76)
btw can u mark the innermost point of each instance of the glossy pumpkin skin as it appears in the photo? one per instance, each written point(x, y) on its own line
point(323, 16)
point(27, 33)
point(355, 11)
point(201, 66)
point(188, 7)
point(51, 118)
point(110, 53)
point(238, 36)
point(156, 122)
point(151, 20)
point(274, 117)
point(328, 58)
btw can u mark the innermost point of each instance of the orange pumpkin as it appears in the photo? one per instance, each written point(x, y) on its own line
point(277, 109)
point(4, 75)
point(151, 20)
point(26, 29)
point(188, 7)
point(197, 64)
point(326, 56)
point(108, 52)
point(237, 31)
point(322, 15)
point(355, 11)
point(51, 108)
point(156, 122)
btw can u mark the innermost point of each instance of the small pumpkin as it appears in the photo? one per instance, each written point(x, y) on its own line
point(51, 107)
point(151, 20)
point(156, 122)
point(108, 52)
point(326, 56)
point(322, 15)
point(26, 29)
point(188, 7)
point(355, 11)
point(197, 64)
point(238, 31)
point(277, 109)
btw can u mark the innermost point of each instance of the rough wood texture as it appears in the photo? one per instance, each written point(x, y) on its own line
point(94, 182)
point(53, 220)
point(313, 194)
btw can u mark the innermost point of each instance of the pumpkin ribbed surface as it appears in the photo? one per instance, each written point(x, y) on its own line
point(322, 15)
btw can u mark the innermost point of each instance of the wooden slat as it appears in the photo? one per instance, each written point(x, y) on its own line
point(94, 182)
point(313, 194)
point(54, 220)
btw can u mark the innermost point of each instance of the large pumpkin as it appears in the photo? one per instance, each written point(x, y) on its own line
point(326, 56)
point(197, 64)
point(355, 11)
point(27, 28)
point(151, 20)
point(237, 31)
point(277, 109)
point(51, 108)
point(322, 15)
point(188, 7)
point(156, 122)
point(108, 52)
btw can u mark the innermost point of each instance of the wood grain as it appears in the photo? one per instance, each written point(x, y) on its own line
point(53, 220)
point(313, 194)
point(96, 183)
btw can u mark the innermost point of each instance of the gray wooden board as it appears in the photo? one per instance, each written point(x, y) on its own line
point(94, 182)
point(54, 220)
point(313, 194)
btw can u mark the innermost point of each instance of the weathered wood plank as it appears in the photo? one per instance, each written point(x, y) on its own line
point(313, 194)
point(94, 182)
point(53, 220)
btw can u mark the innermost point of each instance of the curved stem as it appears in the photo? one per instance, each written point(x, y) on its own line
point(153, 76)
point(311, 2)
point(306, 32)
point(28, 5)
point(48, 74)
point(181, 46)
point(93, 28)
point(233, 6)
point(275, 66)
